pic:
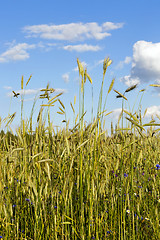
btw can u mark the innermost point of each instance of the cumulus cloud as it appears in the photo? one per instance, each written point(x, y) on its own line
point(72, 31)
point(16, 53)
point(153, 111)
point(115, 114)
point(81, 48)
point(145, 63)
point(130, 81)
point(66, 77)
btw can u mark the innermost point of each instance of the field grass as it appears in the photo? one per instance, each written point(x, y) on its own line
point(80, 183)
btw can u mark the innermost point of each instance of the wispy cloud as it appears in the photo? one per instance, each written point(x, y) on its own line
point(121, 64)
point(82, 48)
point(65, 77)
point(16, 53)
point(145, 64)
point(99, 62)
point(34, 91)
point(25, 92)
point(7, 87)
point(46, 46)
point(72, 31)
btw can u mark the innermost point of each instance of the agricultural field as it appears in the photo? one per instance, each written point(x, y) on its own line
point(80, 183)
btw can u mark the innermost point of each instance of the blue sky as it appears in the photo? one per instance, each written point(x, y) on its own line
point(45, 38)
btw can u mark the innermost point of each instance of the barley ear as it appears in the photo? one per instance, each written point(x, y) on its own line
point(61, 110)
point(142, 90)
point(82, 85)
point(28, 80)
point(60, 113)
point(22, 82)
point(107, 62)
point(72, 107)
point(61, 103)
point(145, 112)
point(85, 75)
point(154, 85)
point(131, 88)
point(80, 67)
point(120, 94)
point(111, 85)
point(89, 78)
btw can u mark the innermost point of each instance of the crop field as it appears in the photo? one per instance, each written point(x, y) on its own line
point(80, 183)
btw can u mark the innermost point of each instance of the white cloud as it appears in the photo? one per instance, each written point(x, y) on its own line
point(57, 90)
point(7, 87)
point(130, 81)
point(34, 91)
point(145, 64)
point(100, 62)
point(121, 64)
point(127, 60)
point(72, 31)
point(152, 111)
point(25, 92)
point(16, 53)
point(66, 77)
point(108, 26)
point(81, 48)
point(46, 46)
point(115, 114)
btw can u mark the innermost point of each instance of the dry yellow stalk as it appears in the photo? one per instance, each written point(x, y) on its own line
point(135, 123)
point(76, 118)
point(108, 113)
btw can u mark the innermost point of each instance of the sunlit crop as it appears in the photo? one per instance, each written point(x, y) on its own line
point(80, 183)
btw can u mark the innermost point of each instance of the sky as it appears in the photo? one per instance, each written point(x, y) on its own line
point(45, 38)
